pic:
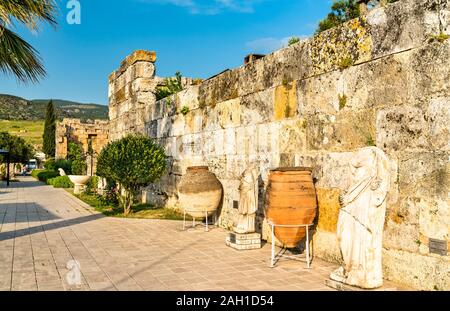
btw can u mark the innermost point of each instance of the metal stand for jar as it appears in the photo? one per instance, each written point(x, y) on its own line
point(274, 257)
point(193, 220)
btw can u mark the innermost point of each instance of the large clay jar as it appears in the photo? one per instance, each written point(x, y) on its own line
point(200, 191)
point(291, 201)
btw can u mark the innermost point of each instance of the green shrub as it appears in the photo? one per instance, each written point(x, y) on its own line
point(55, 165)
point(60, 182)
point(293, 41)
point(44, 175)
point(92, 185)
point(78, 159)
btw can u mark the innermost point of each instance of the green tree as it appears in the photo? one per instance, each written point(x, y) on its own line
point(132, 162)
point(20, 151)
point(49, 135)
point(17, 57)
point(77, 158)
point(345, 10)
point(341, 11)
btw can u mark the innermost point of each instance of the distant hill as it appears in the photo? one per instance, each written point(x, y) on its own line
point(17, 108)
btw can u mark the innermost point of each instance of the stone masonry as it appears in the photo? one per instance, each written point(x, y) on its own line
point(73, 130)
point(382, 80)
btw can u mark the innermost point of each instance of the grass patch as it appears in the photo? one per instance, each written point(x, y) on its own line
point(139, 211)
point(440, 37)
point(31, 131)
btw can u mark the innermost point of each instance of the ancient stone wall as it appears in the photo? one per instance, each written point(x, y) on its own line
point(73, 130)
point(380, 80)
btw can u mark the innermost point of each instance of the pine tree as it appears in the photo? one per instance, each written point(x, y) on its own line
point(50, 131)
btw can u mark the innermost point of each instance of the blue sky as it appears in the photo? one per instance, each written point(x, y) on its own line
point(197, 37)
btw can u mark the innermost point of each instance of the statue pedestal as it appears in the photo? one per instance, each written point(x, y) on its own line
point(245, 241)
point(348, 288)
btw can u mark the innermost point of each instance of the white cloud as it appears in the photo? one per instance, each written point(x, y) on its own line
point(270, 44)
point(210, 7)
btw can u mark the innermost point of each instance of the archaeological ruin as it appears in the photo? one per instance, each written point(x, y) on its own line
point(381, 80)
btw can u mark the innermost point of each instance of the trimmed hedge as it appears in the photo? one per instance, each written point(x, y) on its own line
point(60, 182)
point(44, 175)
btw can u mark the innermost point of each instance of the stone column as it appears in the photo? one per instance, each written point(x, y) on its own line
point(132, 94)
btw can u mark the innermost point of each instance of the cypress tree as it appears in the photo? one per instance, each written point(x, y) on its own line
point(49, 136)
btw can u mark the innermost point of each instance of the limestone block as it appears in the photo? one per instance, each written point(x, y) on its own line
point(257, 107)
point(120, 95)
point(350, 42)
point(435, 219)
point(285, 103)
point(313, 160)
point(352, 130)
point(326, 246)
point(178, 126)
point(146, 98)
point(230, 141)
point(219, 142)
point(328, 203)
point(219, 89)
point(217, 165)
point(380, 83)
point(335, 170)
point(425, 174)
point(444, 16)
point(402, 26)
point(319, 131)
point(417, 271)
point(143, 85)
point(164, 127)
point(208, 144)
point(401, 236)
point(430, 77)
point(188, 97)
point(274, 144)
point(292, 136)
point(263, 140)
point(251, 140)
point(241, 141)
point(143, 69)
point(319, 94)
point(402, 128)
point(438, 113)
point(229, 113)
point(210, 119)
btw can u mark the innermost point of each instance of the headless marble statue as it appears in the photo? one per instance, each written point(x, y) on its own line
point(361, 220)
point(248, 204)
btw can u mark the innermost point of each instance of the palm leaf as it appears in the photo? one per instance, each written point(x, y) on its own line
point(28, 12)
point(18, 57)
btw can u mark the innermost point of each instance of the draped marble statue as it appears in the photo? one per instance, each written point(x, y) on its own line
point(248, 202)
point(361, 220)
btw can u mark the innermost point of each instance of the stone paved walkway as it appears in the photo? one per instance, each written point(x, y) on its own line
point(42, 228)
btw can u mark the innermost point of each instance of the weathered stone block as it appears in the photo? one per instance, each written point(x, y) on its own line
point(328, 203)
point(285, 103)
point(319, 94)
point(402, 128)
point(292, 136)
point(257, 108)
point(417, 271)
point(229, 113)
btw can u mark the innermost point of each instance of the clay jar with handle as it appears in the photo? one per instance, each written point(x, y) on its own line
point(200, 191)
point(292, 200)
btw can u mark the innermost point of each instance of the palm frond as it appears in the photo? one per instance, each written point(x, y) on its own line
point(19, 58)
point(28, 12)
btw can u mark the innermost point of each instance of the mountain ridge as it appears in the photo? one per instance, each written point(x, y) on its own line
point(17, 108)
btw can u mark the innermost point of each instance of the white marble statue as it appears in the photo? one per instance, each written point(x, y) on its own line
point(361, 220)
point(61, 172)
point(248, 202)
